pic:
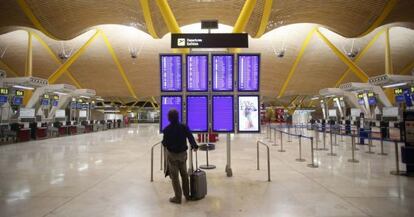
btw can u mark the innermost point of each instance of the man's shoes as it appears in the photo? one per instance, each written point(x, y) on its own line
point(175, 200)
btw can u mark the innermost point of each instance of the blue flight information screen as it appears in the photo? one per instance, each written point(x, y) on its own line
point(249, 68)
point(17, 100)
point(223, 118)
point(223, 67)
point(171, 73)
point(3, 99)
point(197, 113)
point(197, 72)
point(168, 103)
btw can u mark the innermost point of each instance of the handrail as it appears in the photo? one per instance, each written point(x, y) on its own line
point(152, 159)
point(268, 158)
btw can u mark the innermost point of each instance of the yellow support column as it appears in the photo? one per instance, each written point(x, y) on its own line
point(64, 67)
point(358, 71)
point(359, 56)
point(56, 59)
point(388, 58)
point(267, 9)
point(118, 65)
point(407, 69)
point(242, 20)
point(148, 19)
point(387, 10)
point(29, 56)
point(295, 64)
point(29, 14)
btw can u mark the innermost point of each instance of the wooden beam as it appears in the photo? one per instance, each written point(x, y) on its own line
point(8, 69)
point(380, 19)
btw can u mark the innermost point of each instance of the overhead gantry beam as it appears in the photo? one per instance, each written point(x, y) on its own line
point(267, 9)
point(29, 56)
point(64, 67)
point(358, 71)
point(56, 59)
point(148, 19)
point(29, 14)
point(380, 19)
point(359, 56)
point(118, 65)
point(295, 64)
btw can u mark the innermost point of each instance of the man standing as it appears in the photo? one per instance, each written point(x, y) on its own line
point(175, 140)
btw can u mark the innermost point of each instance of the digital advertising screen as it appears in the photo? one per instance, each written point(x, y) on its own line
point(223, 70)
point(249, 113)
point(17, 100)
point(171, 72)
point(197, 113)
point(197, 72)
point(168, 103)
point(248, 72)
point(223, 114)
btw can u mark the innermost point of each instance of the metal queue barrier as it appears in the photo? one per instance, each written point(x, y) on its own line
point(152, 158)
point(268, 158)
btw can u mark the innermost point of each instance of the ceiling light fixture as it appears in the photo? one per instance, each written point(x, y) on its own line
point(395, 85)
point(23, 87)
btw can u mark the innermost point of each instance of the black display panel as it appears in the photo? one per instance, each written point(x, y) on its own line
point(248, 114)
point(197, 113)
point(168, 103)
point(197, 72)
point(222, 72)
point(171, 72)
point(223, 114)
point(248, 72)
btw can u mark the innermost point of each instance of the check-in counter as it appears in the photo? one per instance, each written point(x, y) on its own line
point(41, 133)
point(23, 135)
point(376, 132)
point(63, 130)
point(394, 133)
point(72, 129)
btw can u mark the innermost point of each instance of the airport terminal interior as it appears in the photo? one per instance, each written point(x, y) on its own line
point(299, 108)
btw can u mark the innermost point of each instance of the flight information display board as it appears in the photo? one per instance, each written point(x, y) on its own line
point(171, 72)
point(248, 72)
point(223, 118)
point(197, 113)
point(223, 68)
point(249, 113)
point(197, 72)
point(168, 103)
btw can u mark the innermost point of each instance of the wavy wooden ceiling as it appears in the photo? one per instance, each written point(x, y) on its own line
point(318, 68)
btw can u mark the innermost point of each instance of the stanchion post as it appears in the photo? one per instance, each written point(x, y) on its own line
point(382, 148)
point(324, 140)
point(312, 165)
point(161, 158)
point(397, 171)
point(281, 142)
point(300, 159)
point(331, 153)
point(274, 136)
point(257, 159)
point(353, 160)
point(289, 136)
point(370, 144)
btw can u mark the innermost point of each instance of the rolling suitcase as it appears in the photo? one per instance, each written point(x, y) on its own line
point(198, 182)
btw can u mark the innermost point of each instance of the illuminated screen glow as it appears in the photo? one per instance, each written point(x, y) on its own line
point(45, 102)
point(17, 100)
point(197, 113)
point(197, 72)
point(223, 68)
point(248, 72)
point(171, 73)
point(249, 114)
point(3, 99)
point(223, 118)
point(168, 103)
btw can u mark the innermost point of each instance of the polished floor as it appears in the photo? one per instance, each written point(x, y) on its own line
point(108, 174)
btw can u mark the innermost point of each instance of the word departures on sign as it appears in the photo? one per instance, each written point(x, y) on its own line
point(213, 40)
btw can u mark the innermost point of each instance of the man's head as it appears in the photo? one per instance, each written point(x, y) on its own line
point(173, 116)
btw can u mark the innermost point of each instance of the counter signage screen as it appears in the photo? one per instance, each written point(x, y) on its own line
point(17, 100)
point(45, 101)
point(372, 101)
point(248, 72)
point(4, 91)
point(55, 103)
point(197, 113)
point(197, 72)
point(249, 114)
point(168, 103)
point(223, 68)
point(3, 99)
point(223, 117)
point(171, 73)
point(19, 93)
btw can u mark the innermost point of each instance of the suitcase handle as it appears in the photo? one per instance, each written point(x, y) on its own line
point(192, 163)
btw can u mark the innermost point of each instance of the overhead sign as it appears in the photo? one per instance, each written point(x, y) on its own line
point(213, 40)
